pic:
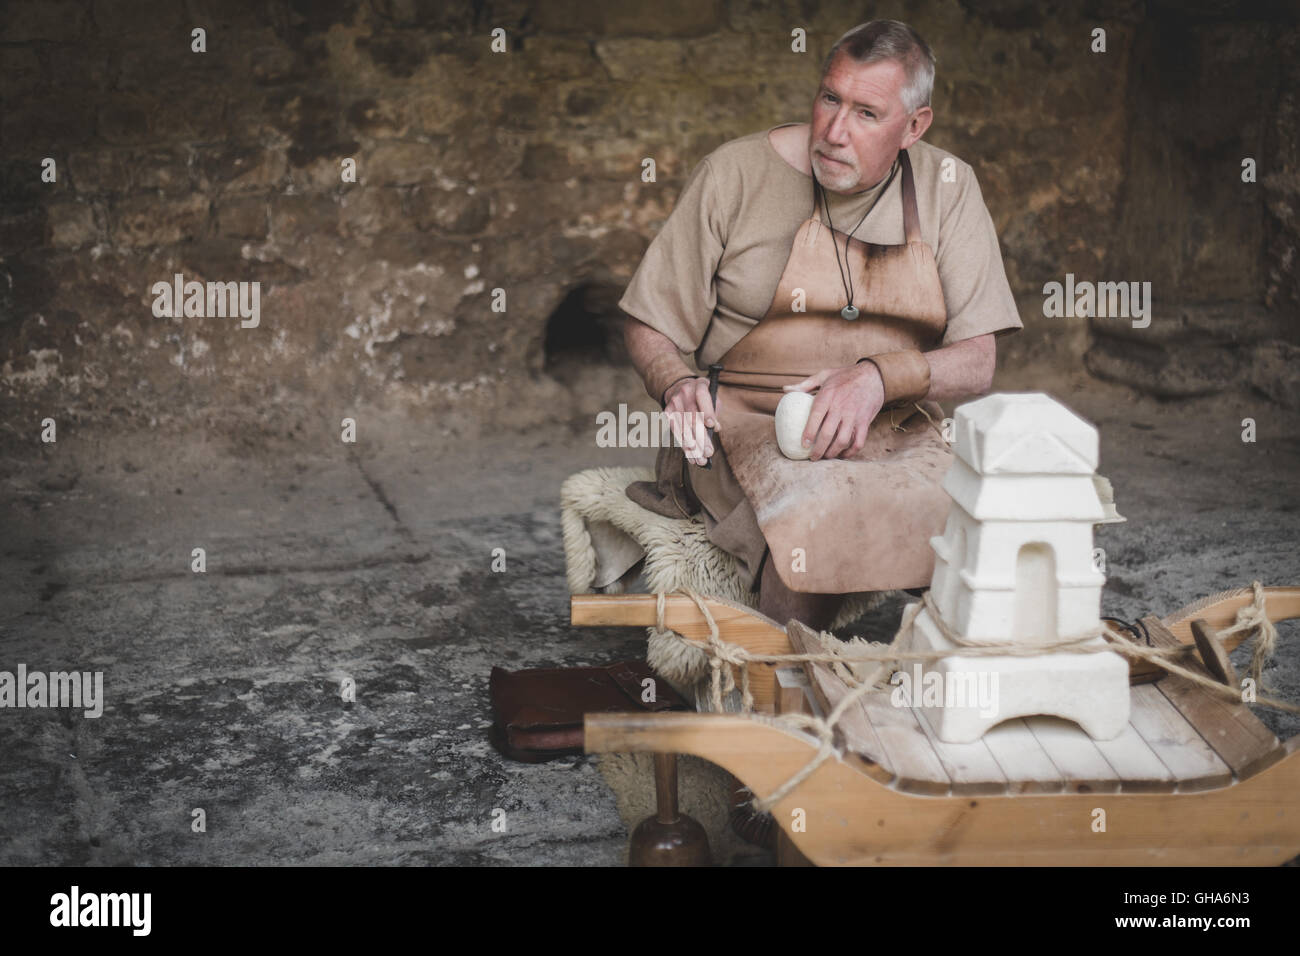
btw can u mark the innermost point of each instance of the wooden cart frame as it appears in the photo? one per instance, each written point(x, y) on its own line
point(856, 810)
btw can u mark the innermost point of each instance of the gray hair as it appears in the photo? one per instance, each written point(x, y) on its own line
point(891, 40)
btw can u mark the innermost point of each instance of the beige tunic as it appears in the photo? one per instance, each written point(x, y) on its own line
point(709, 275)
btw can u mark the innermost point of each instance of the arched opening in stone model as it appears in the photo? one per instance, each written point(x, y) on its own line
point(1035, 608)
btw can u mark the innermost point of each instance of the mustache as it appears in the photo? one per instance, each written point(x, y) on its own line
point(846, 160)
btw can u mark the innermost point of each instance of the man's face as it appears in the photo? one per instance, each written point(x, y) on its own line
point(858, 118)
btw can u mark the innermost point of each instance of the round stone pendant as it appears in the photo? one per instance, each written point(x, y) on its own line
point(849, 312)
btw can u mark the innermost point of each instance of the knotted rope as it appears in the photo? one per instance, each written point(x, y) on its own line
point(1250, 618)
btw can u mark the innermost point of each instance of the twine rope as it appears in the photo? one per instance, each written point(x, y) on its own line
point(893, 424)
point(1251, 618)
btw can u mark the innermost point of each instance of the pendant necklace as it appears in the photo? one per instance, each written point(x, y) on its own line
point(850, 311)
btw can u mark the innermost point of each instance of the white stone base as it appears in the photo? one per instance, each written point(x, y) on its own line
point(1090, 689)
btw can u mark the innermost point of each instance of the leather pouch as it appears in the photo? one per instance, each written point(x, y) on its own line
point(537, 714)
point(669, 494)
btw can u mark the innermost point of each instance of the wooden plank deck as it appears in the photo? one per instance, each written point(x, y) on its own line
point(1082, 767)
point(1191, 761)
point(972, 768)
point(885, 734)
point(1230, 729)
point(1179, 739)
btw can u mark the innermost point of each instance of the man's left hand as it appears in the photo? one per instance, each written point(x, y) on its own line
point(848, 401)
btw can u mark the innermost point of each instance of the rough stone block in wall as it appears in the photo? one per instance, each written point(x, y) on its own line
point(242, 218)
point(21, 228)
point(192, 114)
point(168, 67)
point(479, 152)
point(98, 171)
point(687, 59)
point(734, 55)
point(26, 121)
point(294, 218)
point(320, 175)
point(520, 209)
point(72, 224)
point(130, 18)
point(449, 210)
point(669, 18)
point(267, 65)
point(101, 171)
point(399, 164)
point(560, 58)
point(308, 118)
point(124, 120)
point(22, 72)
point(228, 258)
point(631, 58)
point(454, 18)
point(440, 104)
point(236, 168)
point(417, 250)
point(389, 118)
point(148, 221)
point(166, 169)
point(370, 210)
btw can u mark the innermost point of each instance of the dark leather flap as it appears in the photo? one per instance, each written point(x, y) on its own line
point(558, 698)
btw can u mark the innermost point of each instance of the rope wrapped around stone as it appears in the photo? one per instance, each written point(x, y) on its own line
point(1251, 618)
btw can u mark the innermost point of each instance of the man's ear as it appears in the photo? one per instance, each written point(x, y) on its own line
point(917, 125)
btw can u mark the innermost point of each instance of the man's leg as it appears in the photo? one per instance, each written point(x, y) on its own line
point(781, 604)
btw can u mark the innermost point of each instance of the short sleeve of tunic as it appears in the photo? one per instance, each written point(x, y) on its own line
point(673, 290)
point(975, 287)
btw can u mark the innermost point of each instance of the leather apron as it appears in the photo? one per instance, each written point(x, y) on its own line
point(865, 523)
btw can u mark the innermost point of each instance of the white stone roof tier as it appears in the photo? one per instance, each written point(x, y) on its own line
point(1024, 433)
point(1021, 497)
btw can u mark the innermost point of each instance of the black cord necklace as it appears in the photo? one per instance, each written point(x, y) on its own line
point(850, 311)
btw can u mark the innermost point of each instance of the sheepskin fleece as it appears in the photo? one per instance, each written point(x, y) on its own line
point(678, 556)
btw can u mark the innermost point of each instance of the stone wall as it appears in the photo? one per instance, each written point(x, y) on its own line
point(1207, 93)
point(520, 171)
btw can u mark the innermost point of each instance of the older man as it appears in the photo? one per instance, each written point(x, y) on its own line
point(847, 256)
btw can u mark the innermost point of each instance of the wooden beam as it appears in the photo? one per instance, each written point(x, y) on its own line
point(737, 624)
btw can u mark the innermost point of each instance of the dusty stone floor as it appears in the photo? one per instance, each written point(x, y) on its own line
point(373, 561)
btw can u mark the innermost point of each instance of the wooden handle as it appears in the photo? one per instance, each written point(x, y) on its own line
point(1213, 653)
point(666, 787)
point(736, 623)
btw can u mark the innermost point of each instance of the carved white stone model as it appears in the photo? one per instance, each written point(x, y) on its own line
point(1015, 564)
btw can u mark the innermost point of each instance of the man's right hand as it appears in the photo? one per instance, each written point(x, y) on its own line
point(690, 413)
